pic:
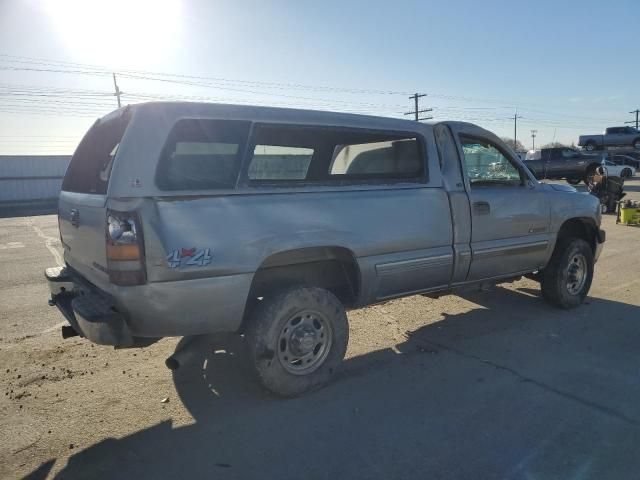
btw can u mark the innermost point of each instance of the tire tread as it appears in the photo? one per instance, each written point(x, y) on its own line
point(260, 332)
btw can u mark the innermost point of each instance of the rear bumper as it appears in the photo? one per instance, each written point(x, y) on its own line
point(130, 316)
point(91, 312)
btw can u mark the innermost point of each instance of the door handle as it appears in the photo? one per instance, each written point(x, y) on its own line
point(482, 208)
point(74, 216)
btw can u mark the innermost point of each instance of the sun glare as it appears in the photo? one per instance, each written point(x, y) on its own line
point(116, 32)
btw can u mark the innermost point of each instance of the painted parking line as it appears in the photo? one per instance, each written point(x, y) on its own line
point(6, 246)
point(49, 242)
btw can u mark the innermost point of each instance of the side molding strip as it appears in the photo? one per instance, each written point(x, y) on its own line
point(394, 268)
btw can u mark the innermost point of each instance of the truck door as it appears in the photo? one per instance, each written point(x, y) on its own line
point(548, 160)
point(563, 163)
point(613, 136)
point(574, 163)
point(509, 211)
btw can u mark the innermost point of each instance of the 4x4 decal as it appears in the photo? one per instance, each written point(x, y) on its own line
point(193, 256)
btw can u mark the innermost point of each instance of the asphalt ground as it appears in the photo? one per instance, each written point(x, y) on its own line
point(486, 385)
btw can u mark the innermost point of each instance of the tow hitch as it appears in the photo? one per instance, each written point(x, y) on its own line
point(68, 331)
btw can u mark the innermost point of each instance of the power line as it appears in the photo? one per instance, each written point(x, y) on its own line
point(289, 86)
point(94, 69)
point(210, 82)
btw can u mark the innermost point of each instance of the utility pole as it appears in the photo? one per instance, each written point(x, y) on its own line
point(118, 92)
point(416, 113)
point(636, 120)
point(533, 139)
point(515, 129)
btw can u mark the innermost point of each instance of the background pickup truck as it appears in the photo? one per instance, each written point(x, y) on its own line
point(562, 163)
point(612, 137)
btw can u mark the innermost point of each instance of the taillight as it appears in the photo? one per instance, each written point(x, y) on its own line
point(125, 249)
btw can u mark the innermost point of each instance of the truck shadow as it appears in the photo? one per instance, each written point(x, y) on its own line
point(511, 389)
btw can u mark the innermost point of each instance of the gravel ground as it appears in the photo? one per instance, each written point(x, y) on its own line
point(487, 385)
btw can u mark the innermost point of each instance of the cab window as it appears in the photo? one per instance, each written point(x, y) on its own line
point(569, 153)
point(487, 165)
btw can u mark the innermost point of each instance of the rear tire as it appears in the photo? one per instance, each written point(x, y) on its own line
point(636, 144)
point(590, 146)
point(573, 181)
point(626, 173)
point(297, 339)
point(567, 278)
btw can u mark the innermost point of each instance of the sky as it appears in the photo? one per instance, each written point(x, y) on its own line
point(567, 67)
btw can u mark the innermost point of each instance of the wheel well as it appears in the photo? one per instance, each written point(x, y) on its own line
point(332, 268)
point(584, 228)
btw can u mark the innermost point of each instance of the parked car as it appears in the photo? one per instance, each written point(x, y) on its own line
point(612, 137)
point(562, 163)
point(623, 171)
point(620, 159)
point(182, 219)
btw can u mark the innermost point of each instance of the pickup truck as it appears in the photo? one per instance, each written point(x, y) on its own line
point(612, 137)
point(185, 219)
point(562, 163)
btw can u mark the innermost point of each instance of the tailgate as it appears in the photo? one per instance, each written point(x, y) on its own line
point(81, 218)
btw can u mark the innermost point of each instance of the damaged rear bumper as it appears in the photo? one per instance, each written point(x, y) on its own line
point(91, 312)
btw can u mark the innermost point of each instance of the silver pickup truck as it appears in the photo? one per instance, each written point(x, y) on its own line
point(182, 219)
point(612, 137)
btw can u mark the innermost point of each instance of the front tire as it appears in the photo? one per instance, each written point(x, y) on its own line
point(636, 144)
point(626, 173)
point(297, 339)
point(567, 278)
point(573, 181)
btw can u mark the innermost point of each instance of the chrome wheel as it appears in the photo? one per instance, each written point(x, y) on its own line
point(304, 342)
point(576, 274)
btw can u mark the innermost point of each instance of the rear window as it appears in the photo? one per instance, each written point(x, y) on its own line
point(202, 155)
point(91, 164)
point(283, 153)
